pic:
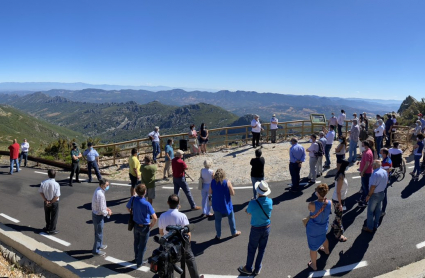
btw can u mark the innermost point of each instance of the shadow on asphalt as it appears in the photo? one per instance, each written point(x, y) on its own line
point(20, 228)
point(240, 151)
point(199, 248)
point(412, 187)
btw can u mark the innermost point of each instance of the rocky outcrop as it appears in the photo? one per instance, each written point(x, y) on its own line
point(406, 104)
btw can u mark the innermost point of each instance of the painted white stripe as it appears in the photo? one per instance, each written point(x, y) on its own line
point(420, 245)
point(122, 184)
point(337, 270)
point(410, 167)
point(243, 187)
point(318, 181)
point(358, 177)
point(10, 218)
point(127, 264)
point(40, 173)
point(60, 241)
point(170, 187)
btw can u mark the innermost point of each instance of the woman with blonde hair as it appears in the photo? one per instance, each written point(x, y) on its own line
point(317, 225)
point(221, 190)
point(207, 175)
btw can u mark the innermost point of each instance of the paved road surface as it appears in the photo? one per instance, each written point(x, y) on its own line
point(287, 254)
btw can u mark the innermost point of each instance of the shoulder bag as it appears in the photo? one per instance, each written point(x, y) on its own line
point(131, 221)
point(305, 220)
point(262, 209)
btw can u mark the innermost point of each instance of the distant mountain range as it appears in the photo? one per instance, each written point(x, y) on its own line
point(114, 122)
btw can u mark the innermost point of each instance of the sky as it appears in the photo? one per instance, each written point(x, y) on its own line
point(345, 48)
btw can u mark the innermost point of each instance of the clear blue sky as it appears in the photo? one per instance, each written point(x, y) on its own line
point(349, 48)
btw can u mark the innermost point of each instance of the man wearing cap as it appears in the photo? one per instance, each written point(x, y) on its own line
point(154, 136)
point(92, 157)
point(273, 128)
point(25, 146)
point(179, 180)
point(332, 121)
point(260, 210)
point(256, 131)
point(75, 164)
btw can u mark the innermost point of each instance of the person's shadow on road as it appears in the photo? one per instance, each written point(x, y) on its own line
point(412, 187)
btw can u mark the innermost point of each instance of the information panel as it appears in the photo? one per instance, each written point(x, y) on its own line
point(318, 118)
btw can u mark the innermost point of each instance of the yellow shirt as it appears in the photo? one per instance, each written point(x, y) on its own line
point(133, 162)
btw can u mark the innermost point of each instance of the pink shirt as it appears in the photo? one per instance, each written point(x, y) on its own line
point(367, 156)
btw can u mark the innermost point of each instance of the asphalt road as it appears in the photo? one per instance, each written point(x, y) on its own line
point(287, 253)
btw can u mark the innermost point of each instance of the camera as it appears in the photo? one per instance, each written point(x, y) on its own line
point(171, 251)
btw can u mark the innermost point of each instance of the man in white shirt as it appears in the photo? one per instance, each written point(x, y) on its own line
point(99, 212)
point(154, 136)
point(341, 122)
point(25, 147)
point(379, 135)
point(256, 131)
point(273, 128)
point(312, 150)
point(50, 192)
point(175, 218)
point(330, 137)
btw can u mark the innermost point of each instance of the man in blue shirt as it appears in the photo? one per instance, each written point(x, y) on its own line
point(92, 157)
point(296, 158)
point(142, 213)
point(260, 210)
point(169, 155)
point(377, 185)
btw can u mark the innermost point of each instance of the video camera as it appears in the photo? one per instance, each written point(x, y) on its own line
point(171, 251)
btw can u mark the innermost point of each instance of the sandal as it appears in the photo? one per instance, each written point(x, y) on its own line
point(342, 239)
point(237, 234)
point(309, 266)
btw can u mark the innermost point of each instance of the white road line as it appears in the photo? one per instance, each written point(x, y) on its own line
point(420, 245)
point(243, 187)
point(318, 181)
point(10, 218)
point(40, 173)
point(357, 177)
point(60, 241)
point(127, 264)
point(170, 187)
point(122, 184)
point(410, 167)
point(337, 270)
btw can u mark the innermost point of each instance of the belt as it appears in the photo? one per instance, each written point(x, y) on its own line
point(141, 225)
point(263, 227)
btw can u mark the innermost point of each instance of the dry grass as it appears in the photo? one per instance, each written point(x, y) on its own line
point(9, 270)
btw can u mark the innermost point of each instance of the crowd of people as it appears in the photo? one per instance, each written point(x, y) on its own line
point(375, 168)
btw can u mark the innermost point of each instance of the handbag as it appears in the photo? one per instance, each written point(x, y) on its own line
point(131, 221)
point(305, 220)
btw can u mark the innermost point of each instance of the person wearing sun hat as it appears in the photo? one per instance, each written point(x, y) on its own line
point(260, 210)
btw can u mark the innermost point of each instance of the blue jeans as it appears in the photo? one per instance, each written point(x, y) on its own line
point(257, 239)
point(14, 161)
point(155, 150)
point(24, 155)
point(254, 180)
point(352, 152)
point(294, 170)
point(328, 148)
point(90, 165)
point(374, 209)
point(378, 145)
point(231, 217)
point(141, 236)
point(417, 165)
point(98, 223)
point(365, 185)
point(181, 183)
point(206, 208)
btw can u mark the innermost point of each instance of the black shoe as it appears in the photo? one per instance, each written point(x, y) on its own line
point(45, 229)
point(70, 184)
point(54, 232)
point(78, 181)
point(89, 181)
point(243, 270)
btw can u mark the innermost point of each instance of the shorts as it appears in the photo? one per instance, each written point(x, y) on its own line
point(150, 193)
point(133, 180)
point(340, 158)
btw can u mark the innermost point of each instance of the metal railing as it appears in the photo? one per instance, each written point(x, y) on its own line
point(219, 138)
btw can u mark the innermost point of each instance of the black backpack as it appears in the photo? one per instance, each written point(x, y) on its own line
point(321, 150)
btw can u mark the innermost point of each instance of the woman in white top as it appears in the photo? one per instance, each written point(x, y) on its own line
point(338, 200)
point(340, 151)
point(207, 176)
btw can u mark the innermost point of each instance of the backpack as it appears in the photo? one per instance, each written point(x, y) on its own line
point(321, 150)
